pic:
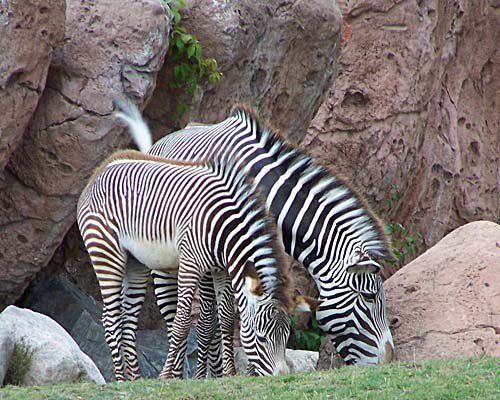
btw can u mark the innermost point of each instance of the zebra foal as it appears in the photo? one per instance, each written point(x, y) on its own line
point(324, 224)
point(140, 213)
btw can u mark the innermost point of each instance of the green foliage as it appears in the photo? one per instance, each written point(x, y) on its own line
point(309, 339)
point(19, 364)
point(403, 244)
point(190, 69)
point(394, 197)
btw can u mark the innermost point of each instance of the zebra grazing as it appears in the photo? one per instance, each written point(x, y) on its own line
point(324, 224)
point(140, 213)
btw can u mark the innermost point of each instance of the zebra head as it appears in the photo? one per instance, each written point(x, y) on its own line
point(265, 328)
point(353, 312)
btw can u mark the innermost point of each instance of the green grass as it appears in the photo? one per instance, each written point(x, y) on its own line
point(476, 378)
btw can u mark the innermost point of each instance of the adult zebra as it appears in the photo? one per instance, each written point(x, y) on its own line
point(188, 219)
point(324, 224)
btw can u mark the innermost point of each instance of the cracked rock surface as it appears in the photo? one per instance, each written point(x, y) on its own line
point(412, 117)
point(110, 49)
point(279, 56)
point(447, 301)
point(29, 31)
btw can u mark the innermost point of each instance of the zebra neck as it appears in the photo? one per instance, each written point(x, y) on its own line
point(316, 213)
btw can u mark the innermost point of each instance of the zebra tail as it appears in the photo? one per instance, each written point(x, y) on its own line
point(141, 135)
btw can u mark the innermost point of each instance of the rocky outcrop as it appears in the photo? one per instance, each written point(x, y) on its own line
point(56, 357)
point(413, 116)
point(80, 315)
point(278, 56)
point(111, 49)
point(446, 301)
point(29, 31)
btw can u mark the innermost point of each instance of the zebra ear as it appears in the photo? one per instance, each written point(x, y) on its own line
point(364, 267)
point(360, 262)
point(305, 304)
point(252, 288)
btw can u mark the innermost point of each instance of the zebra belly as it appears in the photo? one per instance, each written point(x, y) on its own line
point(153, 254)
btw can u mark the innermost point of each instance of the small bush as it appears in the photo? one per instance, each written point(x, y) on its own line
point(20, 363)
point(305, 339)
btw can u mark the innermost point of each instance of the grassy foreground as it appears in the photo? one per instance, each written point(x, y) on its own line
point(477, 378)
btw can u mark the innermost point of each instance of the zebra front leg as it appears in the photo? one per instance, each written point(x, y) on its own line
point(165, 285)
point(207, 332)
point(133, 294)
point(226, 316)
point(188, 279)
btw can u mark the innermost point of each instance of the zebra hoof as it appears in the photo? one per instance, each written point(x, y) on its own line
point(166, 375)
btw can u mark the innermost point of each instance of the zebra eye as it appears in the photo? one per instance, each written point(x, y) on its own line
point(369, 296)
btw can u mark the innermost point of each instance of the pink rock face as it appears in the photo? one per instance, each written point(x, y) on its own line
point(447, 301)
point(29, 31)
point(278, 56)
point(111, 49)
point(412, 118)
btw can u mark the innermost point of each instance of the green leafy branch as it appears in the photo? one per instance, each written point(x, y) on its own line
point(403, 244)
point(190, 69)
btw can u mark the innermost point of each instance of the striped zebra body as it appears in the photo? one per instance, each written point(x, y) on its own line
point(140, 213)
point(324, 224)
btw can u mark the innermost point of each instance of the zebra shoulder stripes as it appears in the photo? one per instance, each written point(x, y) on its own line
point(324, 224)
point(191, 219)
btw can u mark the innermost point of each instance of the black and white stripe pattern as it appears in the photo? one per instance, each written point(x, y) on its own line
point(140, 213)
point(324, 223)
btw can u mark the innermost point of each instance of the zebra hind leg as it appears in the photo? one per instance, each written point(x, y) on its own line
point(133, 294)
point(207, 332)
point(109, 272)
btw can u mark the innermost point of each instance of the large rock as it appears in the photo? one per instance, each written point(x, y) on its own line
point(80, 315)
point(413, 116)
point(29, 31)
point(111, 49)
point(279, 56)
point(7, 345)
point(447, 300)
point(56, 358)
point(297, 360)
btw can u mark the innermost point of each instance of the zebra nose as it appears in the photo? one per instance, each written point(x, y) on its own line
point(388, 354)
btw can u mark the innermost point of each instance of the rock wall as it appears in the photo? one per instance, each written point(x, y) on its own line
point(114, 49)
point(278, 56)
point(110, 48)
point(413, 117)
point(29, 32)
point(242, 49)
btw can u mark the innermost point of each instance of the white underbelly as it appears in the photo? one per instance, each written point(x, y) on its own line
point(153, 254)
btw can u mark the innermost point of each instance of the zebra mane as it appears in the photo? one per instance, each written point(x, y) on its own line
point(248, 195)
point(330, 181)
point(134, 155)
